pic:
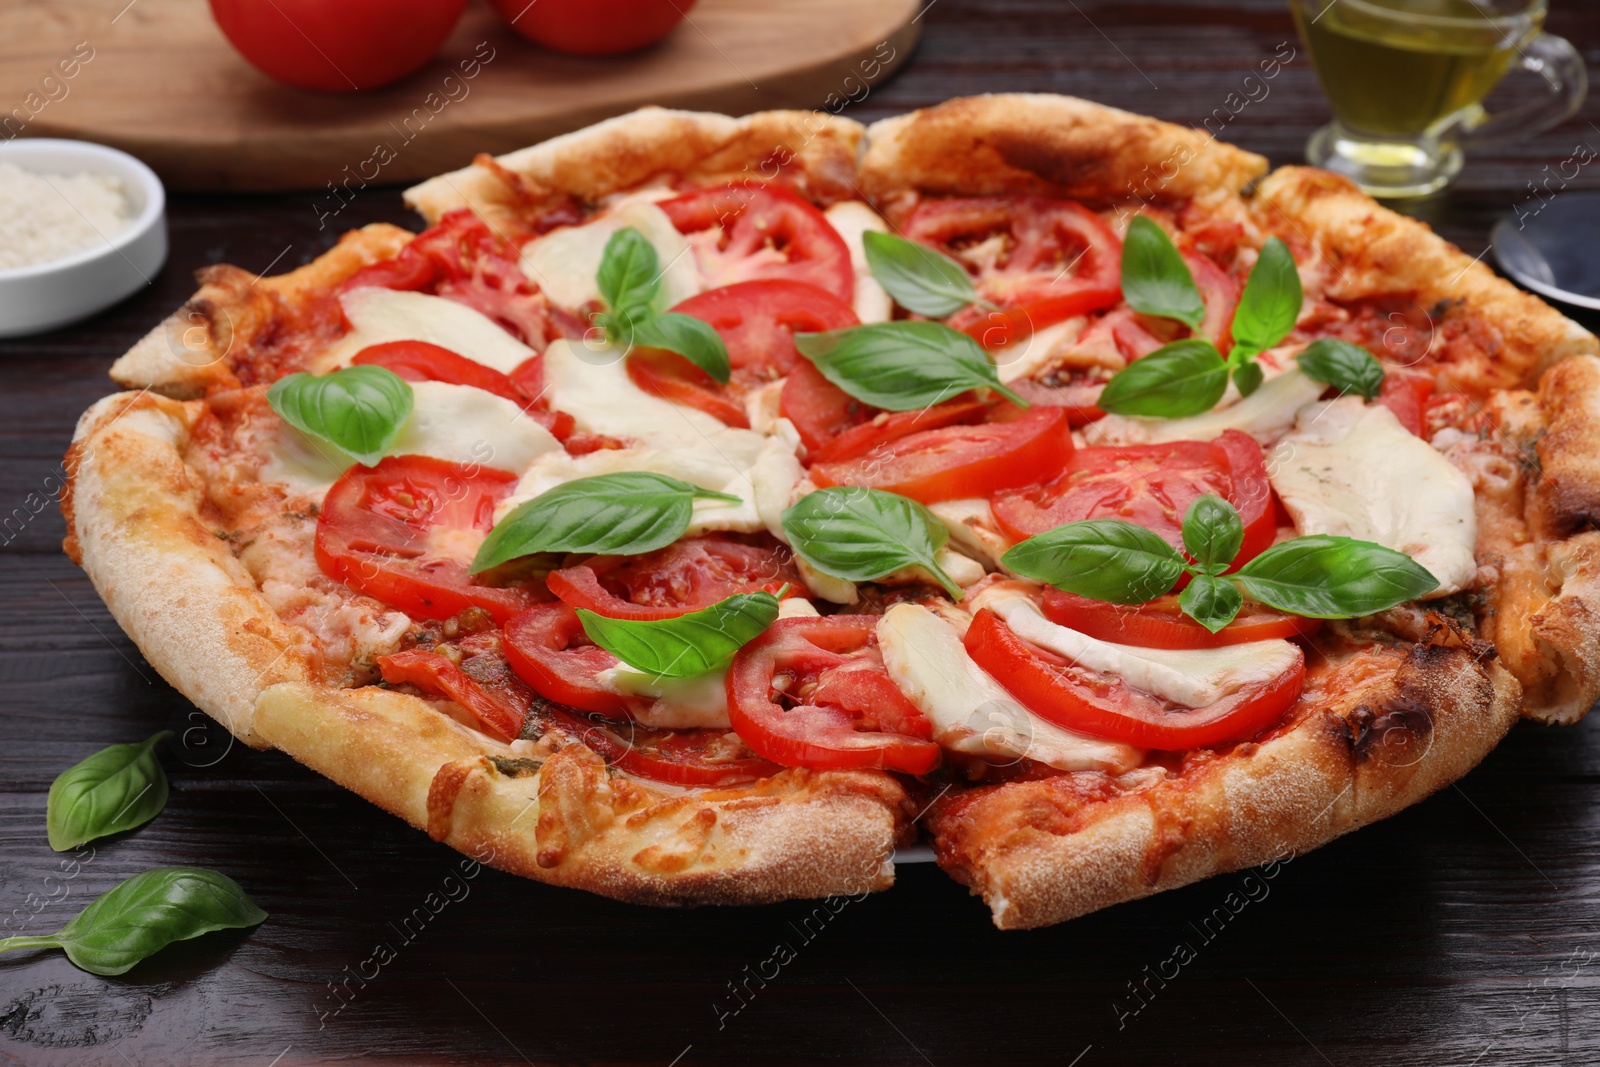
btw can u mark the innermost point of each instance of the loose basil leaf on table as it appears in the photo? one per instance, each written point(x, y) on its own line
point(902, 366)
point(1104, 559)
point(1185, 377)
point(1325, 577)
point(1211, 601)
point(1348, 368)
point(688, 645)
point(627, 513)
point(1270, 303)
point(116, 789)
point(1212, 532)
point(144, 914)
point(921, 279)
point(359, 410)
point(691, 338)
point(1155, 279)
point(629, 274)
point(861, 534)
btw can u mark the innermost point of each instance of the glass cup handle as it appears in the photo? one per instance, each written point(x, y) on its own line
point(1558, 63)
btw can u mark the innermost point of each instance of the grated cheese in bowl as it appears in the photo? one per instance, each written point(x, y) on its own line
point(48, 217)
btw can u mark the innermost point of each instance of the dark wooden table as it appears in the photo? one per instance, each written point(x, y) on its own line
point(1464, 931)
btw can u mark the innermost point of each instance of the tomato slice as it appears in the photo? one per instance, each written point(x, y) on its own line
point(1075, 392)
point(1406, 393)
point(547, 648)
point(1105, 706)
point(420, 361)
point(764, 231)
point(404, 532)
point(1041, 260)
point(686, 576)
point(482, 683)
point(960, 461)
point(1160, 624)
point(814, 693)
point(1220, 294)
point(709, 758)
point(835, 425)
point(757, 321)
point(1151, 486)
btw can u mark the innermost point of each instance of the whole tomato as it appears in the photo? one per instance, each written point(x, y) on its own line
point(337, 46)
point(593, 27)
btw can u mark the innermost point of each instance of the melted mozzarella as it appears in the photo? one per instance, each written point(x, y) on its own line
point(675, 703)
point(1040, 351)
point(378, 315)
point(1266, 414)
point(591, 384)
point(852, 219)
point(564, 262)
point(970, 711)
point(973, 529)
point(1352, 470)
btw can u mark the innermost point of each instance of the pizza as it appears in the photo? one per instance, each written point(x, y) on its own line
point(700, 508)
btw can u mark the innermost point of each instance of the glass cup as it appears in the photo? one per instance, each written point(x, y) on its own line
point(1406, 80)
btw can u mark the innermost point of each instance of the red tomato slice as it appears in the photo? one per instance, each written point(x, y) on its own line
point(528, 376)
point(1105, 706)
point(1076, 394)
point(712, 758)
point(496, 697)
point(1150, 486)
point(404, 532)
point(813, 693)
point(766, 232)
point(757, 321)
point(547, 648)
point(1160, 624)
point(1220, 293)
point(1051, 260)
point(1406, 393)
point(419, 361)
point(835, 425)
point(685, 576)
point(960, 461)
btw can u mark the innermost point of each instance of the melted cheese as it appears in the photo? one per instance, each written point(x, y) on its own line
point(1353, 471)
point(851, 219)
point(591, 384)
point(1040, 351)
point(564, 262)
point(973, 529)
point(675, 703)
point(380, 315)
point(1266, 414)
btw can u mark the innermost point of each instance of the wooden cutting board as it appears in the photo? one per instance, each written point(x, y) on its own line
point(157, 78)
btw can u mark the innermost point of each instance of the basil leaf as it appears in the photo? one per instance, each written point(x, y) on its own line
point(861, 534)
point(691, 644)
point(691, 338)
point(627, 514)
point(1247, 376)
point(902, 366)
point(1212, 532)
point(145, 914)
point(115, 789)
point(1155, 279)
point(1211, 601)
point(1326, 577)
point(359, 410)
point(1271, 300)
point(920, 278)
point(1348, 368)
point(1104, 559)
point(1185, 377)
point(630, 272)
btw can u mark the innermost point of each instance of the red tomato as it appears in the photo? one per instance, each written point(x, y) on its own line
point(528, 377)
point(1221, 295)
point(757, 321)
point(593, 27)
point(404, 532)
point(1150, 486)
point(337, 48)
point(1160, 624)
point(961, 461)
point(1053, 259)
point(814, 693)
point(1077, 395)
point(1406, 393)
point(419, 361)
point(835, 425)
point(548, 649)
point(765, 232)
point(482, 683)
point(685, 576)
point(1105, 706)
point(712, 758)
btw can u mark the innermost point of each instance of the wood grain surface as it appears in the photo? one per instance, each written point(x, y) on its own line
point(1464, 931)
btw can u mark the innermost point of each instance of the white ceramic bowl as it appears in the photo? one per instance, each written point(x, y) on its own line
point(42, 297)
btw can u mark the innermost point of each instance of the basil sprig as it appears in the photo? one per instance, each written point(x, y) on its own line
point(358, 410)
point(116, 789)
point(688, 645)
point(920, 278)
point(860, 534)
point(145, 914)
point(902, 366)
point(1319, 576)
point(629, 280)
point(628, 513)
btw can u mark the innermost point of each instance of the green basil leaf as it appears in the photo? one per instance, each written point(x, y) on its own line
point(1348, 368)
point(145, 914)
point(861, 534)
point(1186, 377)
point(1271, 300)
point(359, 410)
point(1247, 376)
point(630, 272)
point(628, 513)
point(1155, 279)
point(691, 644)
point(115, 789)
point(1211, 601)
point(920, 278)
point(902, 366)
point(1212, 532)
point(1104, 559)
point(691, 338)
point(1326, 577)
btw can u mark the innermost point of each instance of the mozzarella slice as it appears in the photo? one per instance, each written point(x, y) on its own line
point(1040, 351)
point(973, 529)
point(1266, 414)
point(973, 713)
point(378, 315)
point(675, 703)
point(851, 219)
point(1194, 678)
point(1352, 470)
point(591, 384)
point(564, 262)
